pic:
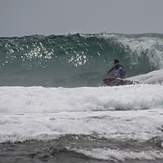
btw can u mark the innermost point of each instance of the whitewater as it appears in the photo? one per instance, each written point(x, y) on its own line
point(54, 106)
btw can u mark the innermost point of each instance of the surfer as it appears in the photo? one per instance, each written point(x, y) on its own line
point(120, 71)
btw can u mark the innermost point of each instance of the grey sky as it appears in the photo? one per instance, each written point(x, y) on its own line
point(46, 17)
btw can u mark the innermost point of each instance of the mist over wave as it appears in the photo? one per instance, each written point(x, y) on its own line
point(76, 60)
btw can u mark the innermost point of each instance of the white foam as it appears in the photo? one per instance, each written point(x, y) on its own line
point(149, 45)
point(50, 100)
point(120, 155)
point(154, 77)
point(45, 113)
point(139, 125)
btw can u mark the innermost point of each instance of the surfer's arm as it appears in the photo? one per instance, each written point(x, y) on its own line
point(112, 69)
point(116, 66)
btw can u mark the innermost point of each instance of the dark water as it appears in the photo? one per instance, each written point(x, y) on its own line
point(62, 150)
point(76, 60)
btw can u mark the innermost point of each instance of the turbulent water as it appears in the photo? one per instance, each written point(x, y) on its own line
point(54, 106)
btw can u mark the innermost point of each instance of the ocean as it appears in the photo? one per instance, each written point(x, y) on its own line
point(55, 107)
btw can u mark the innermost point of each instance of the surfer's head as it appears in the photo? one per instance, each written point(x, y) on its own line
point(116, 61)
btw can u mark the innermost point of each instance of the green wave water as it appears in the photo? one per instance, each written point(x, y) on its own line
point(76, 59)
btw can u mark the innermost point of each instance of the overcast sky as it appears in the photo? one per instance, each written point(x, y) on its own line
point(46, 17)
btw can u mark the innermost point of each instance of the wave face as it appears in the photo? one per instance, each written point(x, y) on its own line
point(76, 59)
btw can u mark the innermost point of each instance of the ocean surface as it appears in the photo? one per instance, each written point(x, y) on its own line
point(55, 107)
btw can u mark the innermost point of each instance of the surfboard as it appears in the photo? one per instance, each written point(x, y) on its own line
point(118, 81)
